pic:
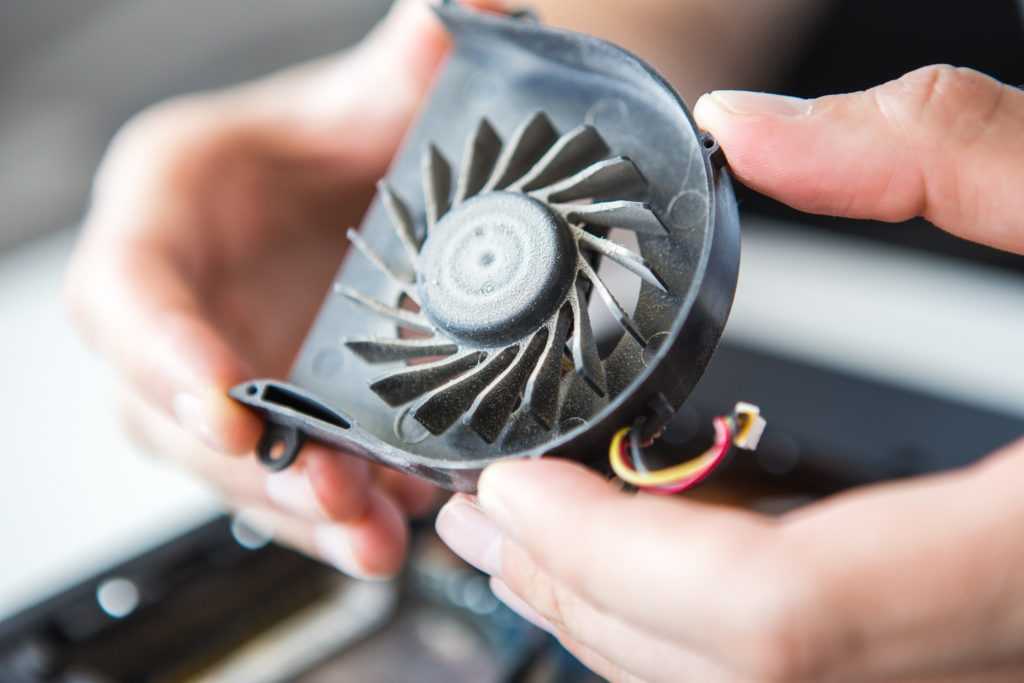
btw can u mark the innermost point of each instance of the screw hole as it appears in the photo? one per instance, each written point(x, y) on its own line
point(251, 390)
point(277, 449)
point(709, 143)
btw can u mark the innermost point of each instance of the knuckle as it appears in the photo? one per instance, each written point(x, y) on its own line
point(953, 102)
point(552, 601)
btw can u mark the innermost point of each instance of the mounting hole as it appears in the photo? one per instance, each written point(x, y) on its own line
point(252, 390)
point(277, 450)
point(708, 142)
point(279, 446)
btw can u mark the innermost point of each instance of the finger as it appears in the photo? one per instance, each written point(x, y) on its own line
point(372, 547)
point(416, 496)
point(709, 564)
point(928, 575)
point(337, 485)
point(139, 308)
point(135, 283)
point(880, 570)
point(608, 554)
point(360, 531)
point(322, 485)
point(591, 659)
point(942, 143)
point(529, 591)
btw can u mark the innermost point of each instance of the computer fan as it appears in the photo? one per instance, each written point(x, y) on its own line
point(458, 330)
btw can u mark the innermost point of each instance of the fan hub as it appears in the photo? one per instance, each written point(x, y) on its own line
point(496, 267)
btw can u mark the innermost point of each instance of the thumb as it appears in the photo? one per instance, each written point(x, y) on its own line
point(940, 142)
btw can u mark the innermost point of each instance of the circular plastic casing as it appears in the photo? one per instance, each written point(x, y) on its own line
point(456, 332)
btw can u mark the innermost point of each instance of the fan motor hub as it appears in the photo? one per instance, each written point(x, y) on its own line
point(495, 267)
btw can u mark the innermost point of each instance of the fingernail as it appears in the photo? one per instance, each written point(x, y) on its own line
point(761, 103)
point(334, 545)
point(520, 606)
point(470, 535)
point(495, 508)
point(291, 490)
point(188, 411)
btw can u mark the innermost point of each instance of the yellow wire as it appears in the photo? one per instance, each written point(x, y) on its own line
point(748, 423)
point(665, 477)
point(750, 416)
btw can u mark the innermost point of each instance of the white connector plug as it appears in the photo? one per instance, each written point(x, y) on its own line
point(749, 426)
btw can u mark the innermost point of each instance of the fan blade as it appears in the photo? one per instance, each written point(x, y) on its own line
point(636, 216)
point(416, 321)
point(607, 177)
point(492, 409)
point(527, 145)
point(388, 350)
point(477, 161)
point(621, 317)
point(406, 284)
point(402, 220)
point(541, 395)
point(441, 408)
point(628, 259)
point(584, 347)
point(403, 386)
point(437, 185)
point(573, 151)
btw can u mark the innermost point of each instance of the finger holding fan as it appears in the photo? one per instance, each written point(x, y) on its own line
point(458, 330)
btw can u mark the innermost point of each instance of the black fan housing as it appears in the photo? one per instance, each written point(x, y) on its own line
point(458, 330)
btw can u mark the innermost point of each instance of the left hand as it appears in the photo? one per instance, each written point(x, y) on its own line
point(921, 579)
point(216, 224)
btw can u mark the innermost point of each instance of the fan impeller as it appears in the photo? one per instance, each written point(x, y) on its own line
point(501, 272)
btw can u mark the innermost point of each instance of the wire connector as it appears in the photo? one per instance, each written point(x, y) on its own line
point(749, 426)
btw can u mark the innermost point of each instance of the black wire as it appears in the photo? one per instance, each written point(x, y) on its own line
point(634, 449)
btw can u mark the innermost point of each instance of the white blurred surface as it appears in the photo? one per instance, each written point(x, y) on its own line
point(75, 496)
point(932, 323)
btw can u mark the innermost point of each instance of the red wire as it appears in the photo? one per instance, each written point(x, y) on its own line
point(723, 437)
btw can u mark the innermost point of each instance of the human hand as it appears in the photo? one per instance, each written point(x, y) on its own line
point(919, 579)
point(216, 225)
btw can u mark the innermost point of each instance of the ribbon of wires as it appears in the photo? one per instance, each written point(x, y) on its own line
point(626, 458)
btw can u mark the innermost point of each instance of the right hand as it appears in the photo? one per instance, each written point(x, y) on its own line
point(909, 580)
point(216, 225)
